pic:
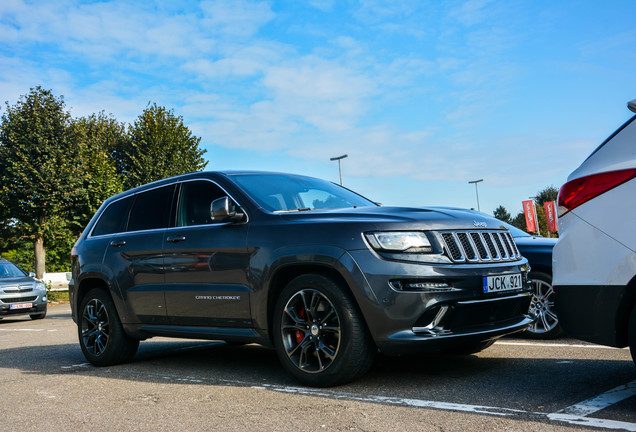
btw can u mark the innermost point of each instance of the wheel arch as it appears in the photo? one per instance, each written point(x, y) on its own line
point(627, 304)
point(87, 284)
point(286, 274)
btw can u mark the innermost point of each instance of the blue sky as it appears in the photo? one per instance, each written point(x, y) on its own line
point(422, 95)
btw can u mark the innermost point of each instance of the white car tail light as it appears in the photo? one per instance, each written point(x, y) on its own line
point(580, 190)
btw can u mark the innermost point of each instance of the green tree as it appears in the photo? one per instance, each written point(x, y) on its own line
point(519, 221)
point(99, 138)
point(159, 146)
point(502, 214)
point(38, 173)
point(546, 195)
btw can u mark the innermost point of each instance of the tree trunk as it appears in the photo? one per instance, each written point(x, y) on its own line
point(40, 258)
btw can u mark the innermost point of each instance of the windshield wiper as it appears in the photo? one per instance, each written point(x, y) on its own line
point(293, 210)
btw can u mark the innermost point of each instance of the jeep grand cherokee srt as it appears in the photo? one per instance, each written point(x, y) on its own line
point(320, 273)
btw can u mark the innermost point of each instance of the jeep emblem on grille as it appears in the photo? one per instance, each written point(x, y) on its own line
point(480, 224)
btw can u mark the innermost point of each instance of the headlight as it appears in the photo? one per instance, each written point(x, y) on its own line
point(395, 241)
point(40, 286)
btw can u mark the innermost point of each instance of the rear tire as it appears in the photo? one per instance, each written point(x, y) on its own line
point(319, 333)
point(101, 334)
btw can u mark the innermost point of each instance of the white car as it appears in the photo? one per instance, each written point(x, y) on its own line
point(594, 261)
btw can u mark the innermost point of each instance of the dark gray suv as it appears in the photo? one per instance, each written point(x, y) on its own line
point(320, 273)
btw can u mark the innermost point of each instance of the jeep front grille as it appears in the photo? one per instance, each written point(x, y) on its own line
point(479, 246)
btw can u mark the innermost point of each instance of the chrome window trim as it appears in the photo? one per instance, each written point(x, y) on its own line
point(176, 183)
point(209, 225)
point(90, 235)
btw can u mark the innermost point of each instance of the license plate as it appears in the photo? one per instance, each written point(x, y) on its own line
point(499, 283)
point(21, 306)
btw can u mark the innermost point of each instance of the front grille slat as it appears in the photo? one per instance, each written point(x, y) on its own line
point(491, 246)
point(469, 250)
point(452, 247)
point(479, 246)
point(19, 299)
point(502, 251)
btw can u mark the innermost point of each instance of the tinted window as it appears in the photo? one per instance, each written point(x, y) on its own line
point(194, 202)
point(114, 218)
point(151, 209)
point(283, 192)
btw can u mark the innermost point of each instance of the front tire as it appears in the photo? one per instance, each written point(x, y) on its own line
point(101, 334)
point(319, 333)
point(38, 316)
point(542, 305)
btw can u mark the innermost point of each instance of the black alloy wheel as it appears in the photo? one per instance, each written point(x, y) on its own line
point(95, 327)
point(101, 335)
point(311, 331)
point(319, 333)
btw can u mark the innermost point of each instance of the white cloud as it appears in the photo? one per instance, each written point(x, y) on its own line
point(407, 90)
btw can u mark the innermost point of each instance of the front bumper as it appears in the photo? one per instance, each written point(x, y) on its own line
point(18, 304)
point(458, 313)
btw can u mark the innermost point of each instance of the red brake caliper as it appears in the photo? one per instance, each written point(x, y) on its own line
point(299, 334)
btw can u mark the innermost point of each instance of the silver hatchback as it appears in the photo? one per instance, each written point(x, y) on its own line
point(20, 292)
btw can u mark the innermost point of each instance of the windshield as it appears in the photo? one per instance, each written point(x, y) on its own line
point(9, 270)
point(282, 193)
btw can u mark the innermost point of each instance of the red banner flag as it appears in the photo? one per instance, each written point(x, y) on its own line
point(531, 218)
point(551, 215)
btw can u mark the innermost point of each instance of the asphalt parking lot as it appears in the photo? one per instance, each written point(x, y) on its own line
point(188, 385)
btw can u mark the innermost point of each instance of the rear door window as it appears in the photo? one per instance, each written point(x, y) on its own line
point(151, 209)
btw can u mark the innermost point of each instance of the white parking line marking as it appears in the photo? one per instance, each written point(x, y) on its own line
point(577, 413)
point(417, 403)
point(76, 366)
point(593, 422)
point(27, 330)
point(603, 401)
point(558, 345)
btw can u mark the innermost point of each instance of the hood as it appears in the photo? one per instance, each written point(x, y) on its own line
point(428, 218)
point(16, 281)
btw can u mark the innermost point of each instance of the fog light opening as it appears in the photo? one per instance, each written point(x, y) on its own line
point(422, 286)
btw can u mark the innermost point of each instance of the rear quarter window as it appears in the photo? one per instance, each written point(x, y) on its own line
point(114, 218)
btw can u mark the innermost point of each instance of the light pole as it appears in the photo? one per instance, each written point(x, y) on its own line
point(339, 158)
point(476, 191)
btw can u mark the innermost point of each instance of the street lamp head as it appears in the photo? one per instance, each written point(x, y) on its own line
point(338, 157)
point(476, 181)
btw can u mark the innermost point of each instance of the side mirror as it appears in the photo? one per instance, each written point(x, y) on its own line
point(31, 274)
point(220, 211)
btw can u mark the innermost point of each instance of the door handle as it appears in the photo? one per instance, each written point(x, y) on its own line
point(118, 243)
point(175, 239)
